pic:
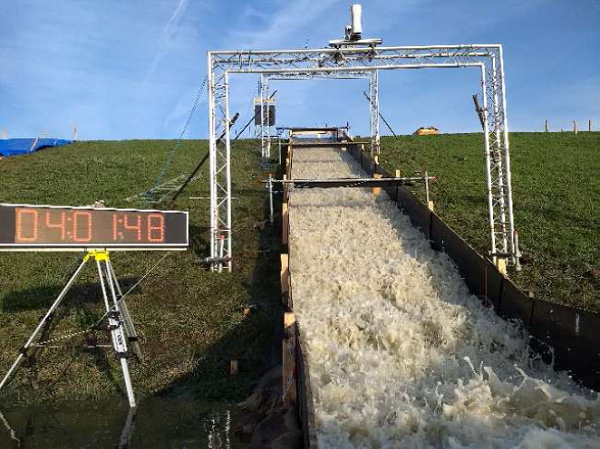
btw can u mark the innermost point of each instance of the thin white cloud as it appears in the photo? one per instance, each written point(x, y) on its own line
point(166, 36)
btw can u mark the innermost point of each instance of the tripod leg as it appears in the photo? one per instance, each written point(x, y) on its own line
point(114, 277)
point(116, 328)
point(44, 320)
point(130, 331)
point(125, 440)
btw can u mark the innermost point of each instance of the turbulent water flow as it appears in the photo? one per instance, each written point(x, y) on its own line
point(400, 354)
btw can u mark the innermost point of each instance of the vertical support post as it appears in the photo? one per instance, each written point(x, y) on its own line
point(575, 126)
point(429, 202)
point(220, 170)
point(546, 126)
point(488, 164)
point(507, 169)
point(590, 125)
point(270, 187)
point(265, 138)
point(498, 161)
point(228, 243)
point(212, 136)
point(517, 252)
point(374, 110)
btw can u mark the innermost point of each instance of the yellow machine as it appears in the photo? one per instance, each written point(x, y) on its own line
point(426, 131)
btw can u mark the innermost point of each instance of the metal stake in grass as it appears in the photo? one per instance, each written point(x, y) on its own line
point(270, 187)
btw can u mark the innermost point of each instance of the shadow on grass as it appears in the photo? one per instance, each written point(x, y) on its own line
point(255, 342)
point(43, 297)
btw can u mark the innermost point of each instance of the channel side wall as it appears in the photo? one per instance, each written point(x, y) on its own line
point(296, 379)
point(562, 334)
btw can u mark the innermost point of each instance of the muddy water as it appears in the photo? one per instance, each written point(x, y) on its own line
point(401, 355)
point(158, 423)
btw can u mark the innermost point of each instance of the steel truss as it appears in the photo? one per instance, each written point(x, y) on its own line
point(485, 57)
point(371, 75)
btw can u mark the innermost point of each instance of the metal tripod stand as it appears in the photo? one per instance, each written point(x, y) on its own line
point(120, 325)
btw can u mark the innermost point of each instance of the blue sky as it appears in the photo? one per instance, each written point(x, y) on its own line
point(130, 68)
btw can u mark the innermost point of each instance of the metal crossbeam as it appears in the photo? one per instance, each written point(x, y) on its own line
point(351, 182)
point(346, 60)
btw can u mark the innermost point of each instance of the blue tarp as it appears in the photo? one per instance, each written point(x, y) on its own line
point(15, 147)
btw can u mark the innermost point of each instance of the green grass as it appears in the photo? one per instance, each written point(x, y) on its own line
point(556, 190)
point(191, 321)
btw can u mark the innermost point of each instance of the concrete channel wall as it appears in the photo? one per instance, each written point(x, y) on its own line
point(562, 334)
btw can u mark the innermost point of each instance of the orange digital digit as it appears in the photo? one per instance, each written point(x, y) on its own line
point(82, 226)
point(114, 227)
point(156, 228)
point(61, 225)
point(71, 228)
point(23, 224)
point(134, 227)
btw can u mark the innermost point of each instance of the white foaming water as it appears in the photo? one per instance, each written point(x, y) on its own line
point(401, 355)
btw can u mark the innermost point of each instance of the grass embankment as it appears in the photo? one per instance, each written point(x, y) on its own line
point(556, 191)
point(191, 321)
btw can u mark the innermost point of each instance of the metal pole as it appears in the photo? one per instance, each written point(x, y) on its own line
point(221, 248)
point(131, 333)
point(499, 164)
point(427, 187)
point(48, 316)
point(228, 171)
point(270, 187)
point(374, 108)
point(517, 252)
point(116, 328)
point(488, 168)
point(511, 220)
point(212, 157)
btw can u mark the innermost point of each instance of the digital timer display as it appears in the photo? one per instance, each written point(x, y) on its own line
point(75, 228)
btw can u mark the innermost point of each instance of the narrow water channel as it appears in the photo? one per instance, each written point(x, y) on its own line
point(401, 355)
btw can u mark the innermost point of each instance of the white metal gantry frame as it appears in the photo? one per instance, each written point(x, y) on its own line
point(371, 75)
point(485, 57)
point(264, 127)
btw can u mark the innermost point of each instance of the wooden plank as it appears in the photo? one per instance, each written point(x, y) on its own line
point(285, 190)
point(285, 274)
point(284, 224)
point(289, 358)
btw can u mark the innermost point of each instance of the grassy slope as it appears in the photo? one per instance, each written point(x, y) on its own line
point(190, 320)
point(556, 190)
